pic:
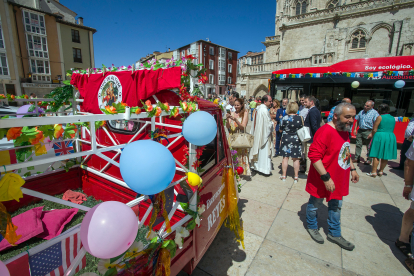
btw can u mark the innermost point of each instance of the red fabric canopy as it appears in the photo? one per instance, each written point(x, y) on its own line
point(100, 90)
point(402, 63)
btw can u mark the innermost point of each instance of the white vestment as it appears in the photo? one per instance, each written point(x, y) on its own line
point(262, 150)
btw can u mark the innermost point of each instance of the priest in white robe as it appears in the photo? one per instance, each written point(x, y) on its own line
point(262, 150)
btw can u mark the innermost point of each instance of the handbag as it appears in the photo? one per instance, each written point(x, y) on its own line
point(304, 133)
point(241, 140)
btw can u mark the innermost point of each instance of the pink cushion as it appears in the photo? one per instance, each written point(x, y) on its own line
point(54, 221)
point(29, 225)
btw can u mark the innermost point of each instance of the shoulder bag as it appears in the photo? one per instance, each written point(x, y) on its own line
point(241, 140)
point(304, 133)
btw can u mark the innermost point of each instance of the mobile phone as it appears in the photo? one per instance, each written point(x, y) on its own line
point(228, 111)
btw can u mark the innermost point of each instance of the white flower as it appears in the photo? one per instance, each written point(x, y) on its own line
point(104, 265)
point(135, 248)
point(201, 209)
point(178, 240)
point(182, 231)
point(198, 221)
point(152, 235)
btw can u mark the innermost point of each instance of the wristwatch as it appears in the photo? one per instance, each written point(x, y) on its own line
point(353, 169)
point(325, 177)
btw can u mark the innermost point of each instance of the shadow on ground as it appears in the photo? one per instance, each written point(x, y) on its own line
point(378, 222)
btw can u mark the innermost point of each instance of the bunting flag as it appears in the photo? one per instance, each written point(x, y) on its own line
point(346, 74)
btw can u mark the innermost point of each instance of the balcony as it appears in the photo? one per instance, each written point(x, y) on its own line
point(266, 68)
point(271, 40)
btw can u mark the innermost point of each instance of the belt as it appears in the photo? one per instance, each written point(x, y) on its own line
point(363, 129)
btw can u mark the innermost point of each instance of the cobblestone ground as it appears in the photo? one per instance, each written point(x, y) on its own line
point(273, 214)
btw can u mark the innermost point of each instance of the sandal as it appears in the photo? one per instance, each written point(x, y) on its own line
point(372, 174)
point(283, 178)
point(405, 248)
point(381, 174)
point(295, 179)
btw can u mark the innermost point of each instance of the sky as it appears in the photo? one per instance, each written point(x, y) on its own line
point(128, 30)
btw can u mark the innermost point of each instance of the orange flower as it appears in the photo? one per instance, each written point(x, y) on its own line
point(26, 96)
point(2, 96)
point(158, 112)
point(124, 104)
point(58, 131)
point(167, 106)
point(138, 111)
point(73, 134)
point(175, 114)
point(149, 106)
point(185, 106)
point(190, 108)
point(12, 97)
point(110, 109)
point(39, 103)
point(36, 140)
point(13, 133)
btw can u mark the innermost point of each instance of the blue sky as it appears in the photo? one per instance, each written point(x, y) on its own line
point(128, 30)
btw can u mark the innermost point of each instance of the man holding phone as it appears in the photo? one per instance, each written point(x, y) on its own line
point(230, 106)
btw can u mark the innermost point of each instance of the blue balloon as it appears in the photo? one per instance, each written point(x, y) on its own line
point(399, 84)
point(200, 128)
point(147, 167)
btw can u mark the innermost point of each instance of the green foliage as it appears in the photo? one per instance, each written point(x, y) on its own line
point(60, 96)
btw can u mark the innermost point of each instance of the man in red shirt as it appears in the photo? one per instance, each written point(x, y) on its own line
point(330, 154)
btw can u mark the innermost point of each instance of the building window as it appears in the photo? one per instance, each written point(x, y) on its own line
point(1, 38)
point(212, 51)
point(75, 36)
point(301, 7)
point(332, 4)
point(222, 65)
point(39, 67)
point(4, 71)
point(183, 53)
point(230, 67)
point(211, 79)
point(230, 55)
point(37, 46)
point(358, 40)
point(229, 80)
point(34, 23)
point(211, 64)
point(77, 55)
point(222, 80)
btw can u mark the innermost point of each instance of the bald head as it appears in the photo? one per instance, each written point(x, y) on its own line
point(347, 100)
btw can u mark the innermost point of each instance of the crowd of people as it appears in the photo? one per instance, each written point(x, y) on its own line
point(275, 125)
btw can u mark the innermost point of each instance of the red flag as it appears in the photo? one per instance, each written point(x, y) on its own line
point(100, 90)
point(19, 266)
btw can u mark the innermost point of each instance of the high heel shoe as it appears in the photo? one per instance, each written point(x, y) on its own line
point(295, 180)
point(283, 178)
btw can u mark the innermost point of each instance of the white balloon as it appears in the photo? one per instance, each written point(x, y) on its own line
point(355, 84)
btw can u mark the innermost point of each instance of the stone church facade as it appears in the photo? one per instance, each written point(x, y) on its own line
point(319, 33)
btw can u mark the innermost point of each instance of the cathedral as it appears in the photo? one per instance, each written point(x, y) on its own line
point(320, 33)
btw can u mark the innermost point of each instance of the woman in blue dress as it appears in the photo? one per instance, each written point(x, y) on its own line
point(290, 144)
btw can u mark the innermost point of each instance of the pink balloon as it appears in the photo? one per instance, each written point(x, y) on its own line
point(109, 229)
point(3, 269)
point(25, 109)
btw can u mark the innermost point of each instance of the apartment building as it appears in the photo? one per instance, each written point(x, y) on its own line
point(40, 40)
point(220, 61)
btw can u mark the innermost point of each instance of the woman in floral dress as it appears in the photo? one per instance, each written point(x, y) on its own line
point(291, 145)
point(237, 122)
point(273, 110)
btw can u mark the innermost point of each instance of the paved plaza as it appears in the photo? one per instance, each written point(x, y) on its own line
point(273, 214)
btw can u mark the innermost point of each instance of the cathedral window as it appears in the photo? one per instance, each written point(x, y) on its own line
point(333, 4)
point(301, 7)
point(358, 40)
